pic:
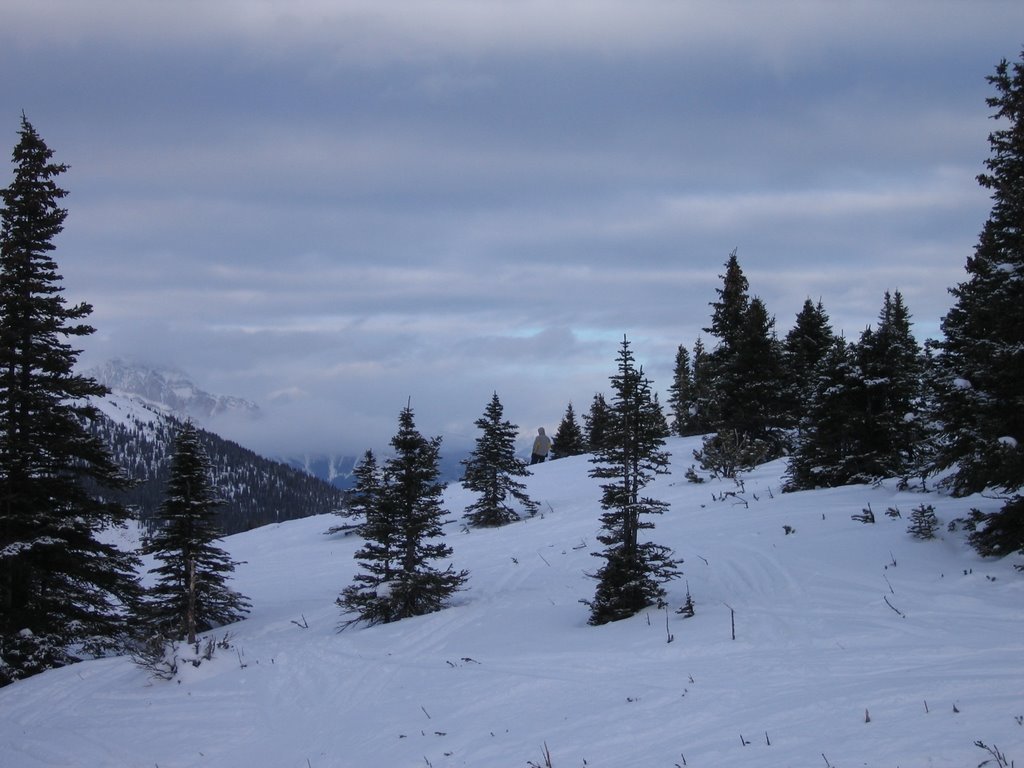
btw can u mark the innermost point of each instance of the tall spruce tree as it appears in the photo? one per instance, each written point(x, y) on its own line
point(632, 455)
point(982, 355)
point(379, 556)
point(399, 579)
point(569, 439)
point(981, 382)
point(803, 349)
point(892, 366)
point(60, 587)
point(744, 371)
point(681, 401)
point(703, 408)
point(491, 469)
point(864, 420)
point(729, 311)
point(191, 593)
point(750, 379)
point(827, 447)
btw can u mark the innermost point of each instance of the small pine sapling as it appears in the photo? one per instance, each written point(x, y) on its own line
point(923, 522)
point(687, 610)
point(866, 516)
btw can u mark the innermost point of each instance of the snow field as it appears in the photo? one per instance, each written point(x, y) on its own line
point(836, 623)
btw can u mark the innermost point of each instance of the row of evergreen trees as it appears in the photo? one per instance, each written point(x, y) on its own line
point(398, 506)
point(64, 591)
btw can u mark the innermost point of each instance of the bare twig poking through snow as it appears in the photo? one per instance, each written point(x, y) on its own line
point(884, 597)
point(998, 756)
point(546, 755)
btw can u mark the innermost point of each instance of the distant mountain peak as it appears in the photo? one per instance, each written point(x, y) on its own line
point(171, 389)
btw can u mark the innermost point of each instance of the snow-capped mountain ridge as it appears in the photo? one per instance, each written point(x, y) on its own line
point(170, 389)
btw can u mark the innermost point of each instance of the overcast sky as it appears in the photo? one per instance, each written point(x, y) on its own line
point(331, 206)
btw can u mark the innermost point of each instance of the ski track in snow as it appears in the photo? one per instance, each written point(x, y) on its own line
point(820, 649)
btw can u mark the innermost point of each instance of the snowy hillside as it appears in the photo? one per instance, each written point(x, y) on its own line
point(855, 645)
point(256, 490)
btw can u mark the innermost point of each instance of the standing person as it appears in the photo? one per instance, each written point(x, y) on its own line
point(541, 446)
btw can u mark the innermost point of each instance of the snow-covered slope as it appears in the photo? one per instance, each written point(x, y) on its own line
point(855, 645)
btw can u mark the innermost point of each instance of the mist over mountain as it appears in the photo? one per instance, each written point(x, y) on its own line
point(166, 390)
point(171, 389)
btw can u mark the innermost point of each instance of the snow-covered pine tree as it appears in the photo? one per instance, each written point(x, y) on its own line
point(803, 349)
point(750, 381)
point(399, 579)
point(826, 447)
point(632, 455)
point(62, 591)
point(191, 593)
point(491, 469)
point(744, 372)
point(864, 421)
point(892, 367)
point(378, 558)
point(981, 387)
point(569, 439)
point(982, 356)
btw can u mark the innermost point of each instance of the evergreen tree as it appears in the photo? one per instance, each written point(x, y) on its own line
point(803, 349)
point(681, 400)
point(191, 594)
point(398, 579)
point(596, 423)
point(744, 372)
point(491, 469)
point(826, 449)
point(703, 397)
point(60, 587)
point(864, 421)
point(379, 556)
point(750, 380)
point(891, 363)
point(569, 439)
point(981, 395)
point(363, 498)
point(981, 387)
point(727, 317)
point(923, 522)
point(632, 455)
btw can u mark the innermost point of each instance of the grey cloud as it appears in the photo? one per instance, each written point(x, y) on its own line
point(330, 207)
